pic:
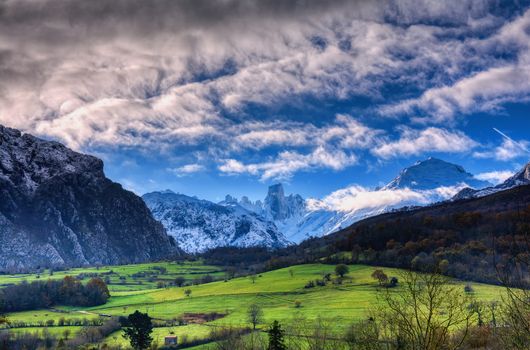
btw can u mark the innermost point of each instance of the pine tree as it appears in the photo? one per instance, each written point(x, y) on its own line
point(138, 330)
point(276, 334)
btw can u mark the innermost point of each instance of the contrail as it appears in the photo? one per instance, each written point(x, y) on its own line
point(518, 144)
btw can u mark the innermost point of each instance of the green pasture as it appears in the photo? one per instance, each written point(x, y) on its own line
point(126, 277)
point(275, 291)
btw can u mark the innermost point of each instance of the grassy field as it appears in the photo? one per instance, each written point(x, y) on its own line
point(275, 291)
point(127, 277)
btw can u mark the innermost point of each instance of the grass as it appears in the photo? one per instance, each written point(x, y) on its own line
point(275, 291)
point(126, 277)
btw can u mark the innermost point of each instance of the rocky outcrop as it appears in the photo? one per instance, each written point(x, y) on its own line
point(58, 208)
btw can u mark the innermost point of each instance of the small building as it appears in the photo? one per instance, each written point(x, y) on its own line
point(171, 340)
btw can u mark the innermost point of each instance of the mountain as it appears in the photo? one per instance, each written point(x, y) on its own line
point(286, 212)
point(434, 173)
point(423, 183)
point(522, 177)
point(199, 225)
point(476, 236)
point(58, 208)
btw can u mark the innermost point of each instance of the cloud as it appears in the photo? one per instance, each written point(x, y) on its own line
point(358, 199)
point(508, 150)
point(187, 169)
point(287, 163)
point(432, 139)
point(497, 82)
point(105, 73)
point(495, 177)
point(344, 132)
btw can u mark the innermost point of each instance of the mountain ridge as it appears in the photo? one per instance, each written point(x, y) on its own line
point(198, 225)
point(59, 209)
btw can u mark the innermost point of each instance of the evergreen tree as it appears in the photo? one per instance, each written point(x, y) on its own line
point(276, 334)
point(138, 330)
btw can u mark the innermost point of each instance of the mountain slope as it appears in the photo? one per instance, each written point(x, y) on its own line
point(199, 225)
point(522, 177)
point(423, 183)
point(58, 208)
point(433, 173)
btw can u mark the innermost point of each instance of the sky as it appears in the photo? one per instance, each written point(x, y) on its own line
point(210, 98)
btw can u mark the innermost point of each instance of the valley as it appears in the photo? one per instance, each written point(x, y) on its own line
point(281, 294)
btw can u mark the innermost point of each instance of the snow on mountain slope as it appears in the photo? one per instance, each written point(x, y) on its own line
point(522, 177)
point(199, 225)
point(434, 173)
point(423, 183)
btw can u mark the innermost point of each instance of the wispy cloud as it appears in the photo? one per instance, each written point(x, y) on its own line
point(508, 150)
point(414, 142)
point(187, 169)
point(495, 177)
point(287, 163)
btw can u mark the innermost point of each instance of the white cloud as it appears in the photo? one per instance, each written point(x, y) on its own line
point(287, 163)
point(187, 169)
point(413, 142)
point(508, 150)
point(495, 177)
point(495, 84)
point(91, 77)
point(358, 199)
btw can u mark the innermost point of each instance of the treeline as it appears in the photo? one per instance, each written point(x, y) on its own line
point(46, 340)
point(44, 294)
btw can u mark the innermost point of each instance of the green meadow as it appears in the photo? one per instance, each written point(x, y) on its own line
point(126, 277)
point(277, 292)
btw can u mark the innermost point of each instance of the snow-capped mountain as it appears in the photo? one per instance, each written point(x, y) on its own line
point(423, 183)
point(522, 177)
point(198, 225)
point(434, 173)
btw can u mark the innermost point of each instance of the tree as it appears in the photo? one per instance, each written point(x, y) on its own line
point(254, 315)
point(276, 334)
point(187, 292)
point(253, 278)
point(380, 276)
point(138, 330)
point(425, 312)
point(179, 281)
point(341, 270)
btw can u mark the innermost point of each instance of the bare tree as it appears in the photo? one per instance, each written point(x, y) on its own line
point(424, 314)
point(254, 315)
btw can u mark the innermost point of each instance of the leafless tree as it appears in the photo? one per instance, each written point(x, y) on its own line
point(254, 315)
point(424, 313)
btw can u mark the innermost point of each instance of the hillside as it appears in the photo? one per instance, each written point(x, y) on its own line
point(475, 236)
point(59, 209)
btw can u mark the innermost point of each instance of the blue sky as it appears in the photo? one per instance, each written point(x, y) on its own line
point(231, 97)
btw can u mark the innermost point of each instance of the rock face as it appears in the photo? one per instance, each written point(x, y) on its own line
point(199, 225)
point(522, 177)
point(58, 208)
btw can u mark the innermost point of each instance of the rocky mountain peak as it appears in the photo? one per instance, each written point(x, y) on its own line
point(57, 208)
point(26, 161)
point(276, 203)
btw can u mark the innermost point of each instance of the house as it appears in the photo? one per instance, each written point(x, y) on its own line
point(170, 340)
